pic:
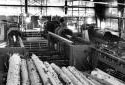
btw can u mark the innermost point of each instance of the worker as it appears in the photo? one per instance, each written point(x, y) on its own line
point(51, 26)
point(63, 30)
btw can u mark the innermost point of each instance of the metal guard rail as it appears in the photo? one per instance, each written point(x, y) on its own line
point(60, 38)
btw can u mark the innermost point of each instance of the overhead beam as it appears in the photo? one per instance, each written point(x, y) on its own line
point(43, 6)
point(47, 6)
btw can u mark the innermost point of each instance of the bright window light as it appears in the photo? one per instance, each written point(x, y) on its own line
point(115, 3)
point(89, 20)
point(110, 10)
point(28, 19)
point(119, 14)
point(103, 25)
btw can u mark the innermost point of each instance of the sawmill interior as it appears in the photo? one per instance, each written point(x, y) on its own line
point(62, 42)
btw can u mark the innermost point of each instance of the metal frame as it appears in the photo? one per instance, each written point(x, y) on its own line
point(43, 6)
point(113, 61)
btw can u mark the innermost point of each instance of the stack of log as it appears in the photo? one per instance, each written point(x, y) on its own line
point(36, 72)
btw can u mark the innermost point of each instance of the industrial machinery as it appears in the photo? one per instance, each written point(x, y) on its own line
point(108, 53)
point(74, 52)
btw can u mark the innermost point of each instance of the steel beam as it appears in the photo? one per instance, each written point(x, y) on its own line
point(42, 6)
point(26, 6)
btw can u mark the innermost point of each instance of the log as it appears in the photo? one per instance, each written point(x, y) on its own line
point(61, 74)
point(77, 75)
point(24, 73)
point(84, 77)
point(95, 78)
point(41, 69)
point(39, 62)
point(33, 75)
point(106, 77)
point(53, 74)
point(13, 77)
point(53, 82)
point(71, 76)
point(94, 82)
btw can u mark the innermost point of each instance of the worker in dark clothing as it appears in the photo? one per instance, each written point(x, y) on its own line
point(51, 26)
point(62, 30)
point(108, 36)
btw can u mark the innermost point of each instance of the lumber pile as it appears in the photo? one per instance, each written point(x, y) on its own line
point(36, 72)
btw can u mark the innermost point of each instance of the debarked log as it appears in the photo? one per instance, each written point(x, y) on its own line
point(62, 75)
point(24, 73)
point(13, 77)
point(33, 75)
point(41, 69)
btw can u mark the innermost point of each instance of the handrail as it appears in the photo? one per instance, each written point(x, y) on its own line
point(60, 38)
point(112, 56)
